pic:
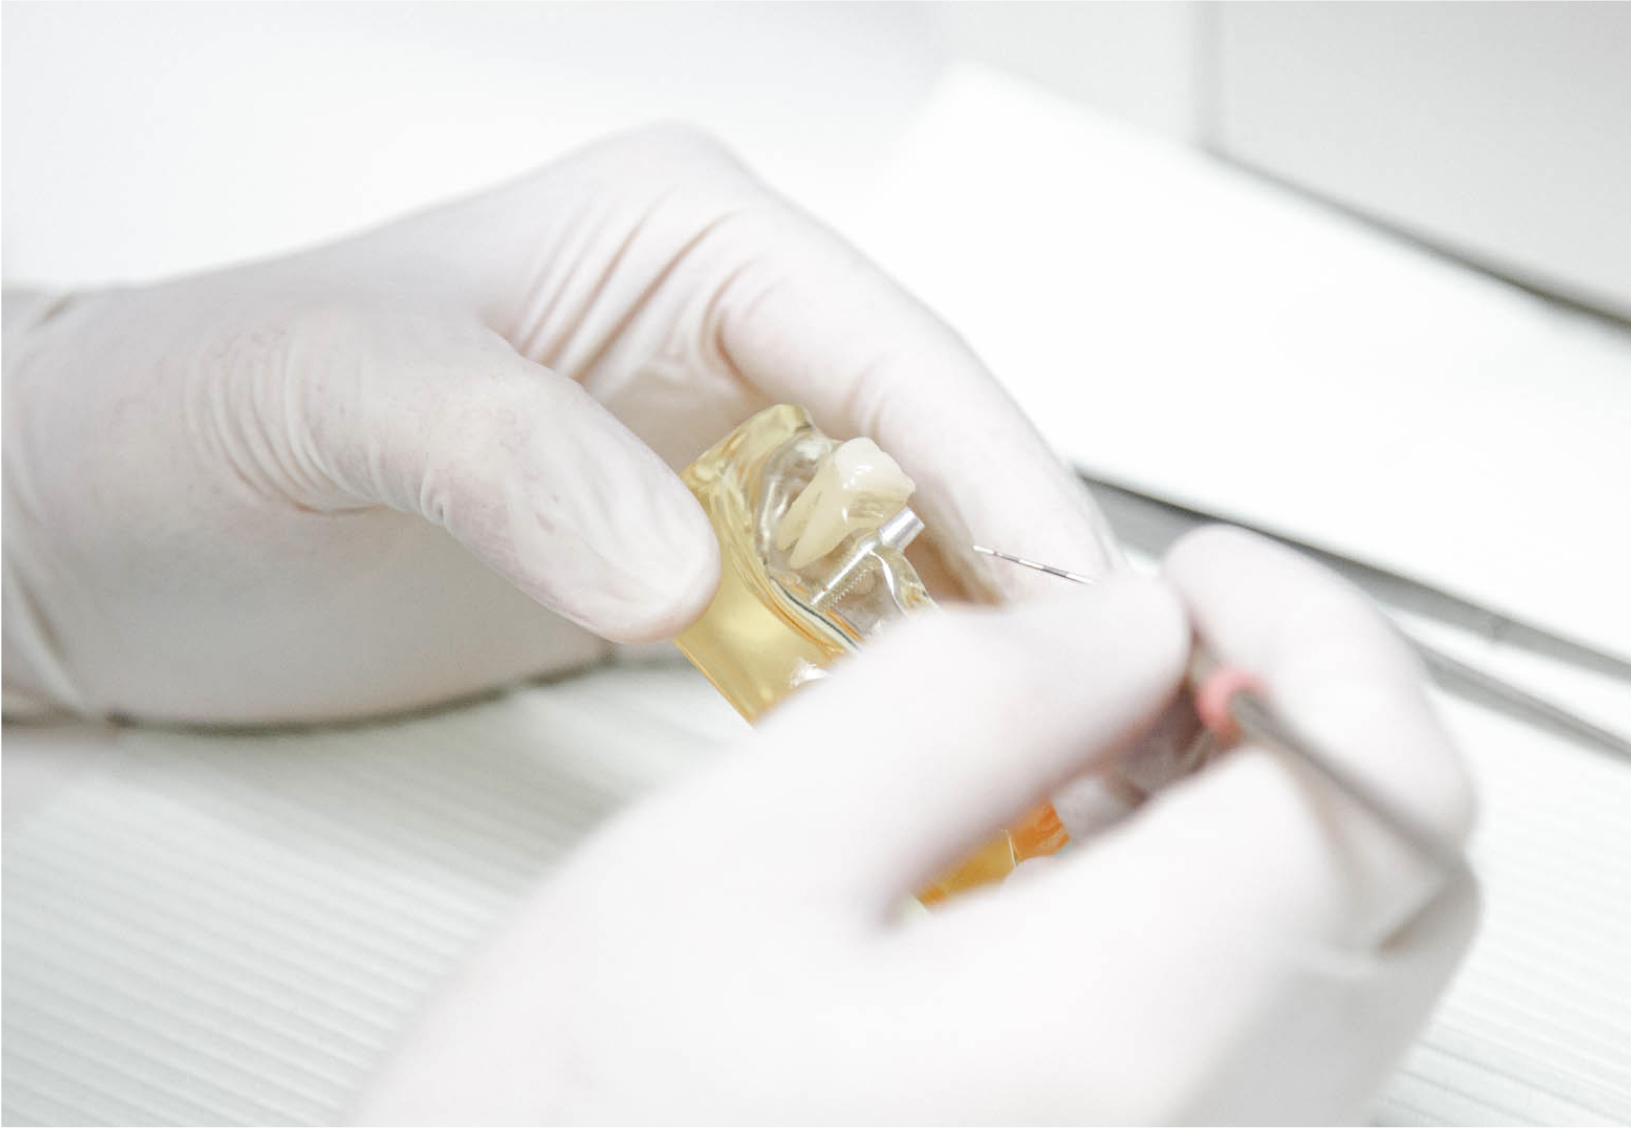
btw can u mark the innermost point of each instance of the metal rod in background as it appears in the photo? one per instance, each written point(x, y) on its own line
point(1469, 682)
point(1151, 524)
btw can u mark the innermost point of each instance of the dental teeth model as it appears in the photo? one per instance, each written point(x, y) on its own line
point(812, 535)
point(857, 487)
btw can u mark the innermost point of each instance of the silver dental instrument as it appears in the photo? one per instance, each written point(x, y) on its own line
point(1151, 524)
point(1257, 720)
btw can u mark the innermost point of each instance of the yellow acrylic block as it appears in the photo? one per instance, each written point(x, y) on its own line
point(812, 534)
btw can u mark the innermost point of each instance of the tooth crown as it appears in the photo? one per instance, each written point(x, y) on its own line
point(857, 486)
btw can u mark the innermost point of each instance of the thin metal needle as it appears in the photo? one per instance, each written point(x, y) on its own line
point(1075, 577)
point(1264, 726)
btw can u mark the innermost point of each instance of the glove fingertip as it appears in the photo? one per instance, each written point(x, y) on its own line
point(680, 576)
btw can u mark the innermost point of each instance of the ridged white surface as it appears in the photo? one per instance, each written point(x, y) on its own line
point(233, 929)
point(1537, 1029)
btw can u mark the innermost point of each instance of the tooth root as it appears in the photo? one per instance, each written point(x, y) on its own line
point(797, 517)
point(828, 526)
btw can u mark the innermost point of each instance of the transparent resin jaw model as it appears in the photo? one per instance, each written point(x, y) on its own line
point(812, 535)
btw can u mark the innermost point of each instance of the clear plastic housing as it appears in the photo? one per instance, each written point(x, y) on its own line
point(772, 628)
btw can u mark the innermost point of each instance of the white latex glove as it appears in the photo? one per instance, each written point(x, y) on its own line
point(436, 457)
point(1245, 948)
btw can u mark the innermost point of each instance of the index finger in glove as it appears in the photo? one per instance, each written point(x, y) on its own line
point(919, 750)
point(1265, 947)
point(705, 270)
point(826, 328)
point(1258, 839)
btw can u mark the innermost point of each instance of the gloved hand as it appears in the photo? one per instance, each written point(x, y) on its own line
point(436, 457)
point(1247, 947)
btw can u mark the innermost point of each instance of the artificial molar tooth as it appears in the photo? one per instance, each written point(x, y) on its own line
point(857, 486)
